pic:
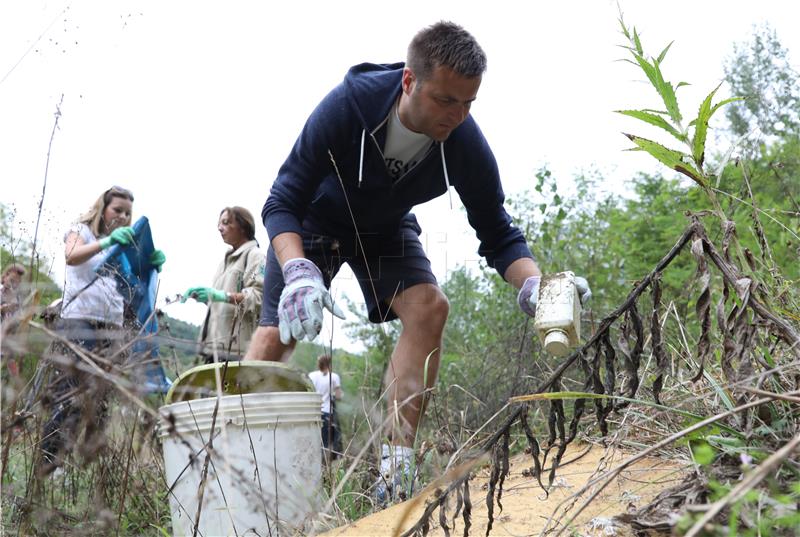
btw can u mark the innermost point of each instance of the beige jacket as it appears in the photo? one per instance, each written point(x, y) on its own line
point(231, 326)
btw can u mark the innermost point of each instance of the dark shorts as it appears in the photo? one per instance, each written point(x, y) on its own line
point(386, 267)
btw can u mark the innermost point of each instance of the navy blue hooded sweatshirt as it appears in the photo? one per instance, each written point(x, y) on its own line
point(349, 128)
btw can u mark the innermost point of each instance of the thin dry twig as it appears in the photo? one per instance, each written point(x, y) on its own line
point(44, 184)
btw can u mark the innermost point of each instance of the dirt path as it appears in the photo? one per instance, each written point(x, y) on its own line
point(525, 508)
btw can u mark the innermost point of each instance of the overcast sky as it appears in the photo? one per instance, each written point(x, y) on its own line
point(193, 105)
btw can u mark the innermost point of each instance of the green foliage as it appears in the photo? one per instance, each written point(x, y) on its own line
point(689, 162)
point(756, 514)
point(703, 453)
point(760, 70)
point(177, 345)
point(180, 329)
point(767, 212)
point(652, 68)
point(479, 306)
point(378, 339)
point(768, 189)
point(350, 501)
point(574, 231)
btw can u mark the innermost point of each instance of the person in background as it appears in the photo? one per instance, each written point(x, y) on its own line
point(389, 137)
point(329, 385)
point(234, 299)
point(10, 289)
point(92, 316)
point(9, 303)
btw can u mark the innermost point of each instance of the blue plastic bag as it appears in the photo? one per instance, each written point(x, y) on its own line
point(137, 280)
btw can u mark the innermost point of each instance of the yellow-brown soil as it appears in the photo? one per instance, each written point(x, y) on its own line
point(525, 507)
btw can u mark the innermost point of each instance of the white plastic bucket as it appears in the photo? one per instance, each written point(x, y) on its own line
point(264, 473)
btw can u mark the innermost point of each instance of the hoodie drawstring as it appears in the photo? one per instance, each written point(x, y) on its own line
point(444, 166)
point(446, 177)
point(361, 160)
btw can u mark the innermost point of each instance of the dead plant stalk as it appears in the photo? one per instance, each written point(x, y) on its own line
point(609, 476)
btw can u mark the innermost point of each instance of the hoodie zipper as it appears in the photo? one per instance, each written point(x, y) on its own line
point(406, 174)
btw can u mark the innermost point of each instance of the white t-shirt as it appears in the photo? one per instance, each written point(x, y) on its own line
point(100, 301)
point(325, 383)
point(404, 148)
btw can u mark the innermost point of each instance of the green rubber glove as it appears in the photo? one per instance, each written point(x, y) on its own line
point(157, 258)
point(205, 294)
point(121, 235)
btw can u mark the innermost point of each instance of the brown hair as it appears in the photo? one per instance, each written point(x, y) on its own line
point(244, 220)
point(324, 362)
point(14, 267)
point(448, 45)
point(94, 217)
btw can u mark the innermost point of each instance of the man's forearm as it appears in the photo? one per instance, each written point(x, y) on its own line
point(287, 246)
point(520, 270)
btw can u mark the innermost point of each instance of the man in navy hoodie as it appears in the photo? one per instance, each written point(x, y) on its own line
point(384, 140)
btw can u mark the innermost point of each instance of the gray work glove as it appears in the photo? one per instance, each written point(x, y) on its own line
point(529, 294)
point(302, 300)
point(584, 292)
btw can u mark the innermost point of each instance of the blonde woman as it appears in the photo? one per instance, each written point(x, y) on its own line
point(92, 317)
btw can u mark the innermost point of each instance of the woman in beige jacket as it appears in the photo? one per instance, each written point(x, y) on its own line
point(234, 301)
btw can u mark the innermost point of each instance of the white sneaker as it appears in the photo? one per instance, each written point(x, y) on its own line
point(396, 480)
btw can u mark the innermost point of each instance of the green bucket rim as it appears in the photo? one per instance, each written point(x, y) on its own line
point(289, 373)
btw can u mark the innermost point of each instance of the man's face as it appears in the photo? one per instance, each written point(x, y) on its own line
point(439, 104)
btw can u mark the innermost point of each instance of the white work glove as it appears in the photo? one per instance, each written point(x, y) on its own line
point(584, 292)
point(529, 293)
point(302, 300)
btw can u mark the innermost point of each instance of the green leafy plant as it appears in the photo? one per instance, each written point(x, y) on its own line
point(691, 159)
point(719, 453)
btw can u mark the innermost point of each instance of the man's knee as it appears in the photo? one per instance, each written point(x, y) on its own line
point(430, 314)
point(440, 309)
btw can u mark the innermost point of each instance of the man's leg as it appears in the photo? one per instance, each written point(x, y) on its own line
point(266, 342)
point(422, 310)
point(266, 345)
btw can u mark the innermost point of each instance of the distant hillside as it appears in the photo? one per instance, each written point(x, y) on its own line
point(179, 329)
point(177, 344)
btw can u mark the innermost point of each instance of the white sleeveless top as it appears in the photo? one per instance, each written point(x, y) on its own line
point(86, 294)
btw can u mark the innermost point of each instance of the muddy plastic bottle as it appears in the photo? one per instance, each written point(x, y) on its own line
point(558, 313)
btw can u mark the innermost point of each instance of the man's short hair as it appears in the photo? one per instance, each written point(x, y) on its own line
point(445, 44)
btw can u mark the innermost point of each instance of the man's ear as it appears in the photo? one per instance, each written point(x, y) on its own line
point(409, 80)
